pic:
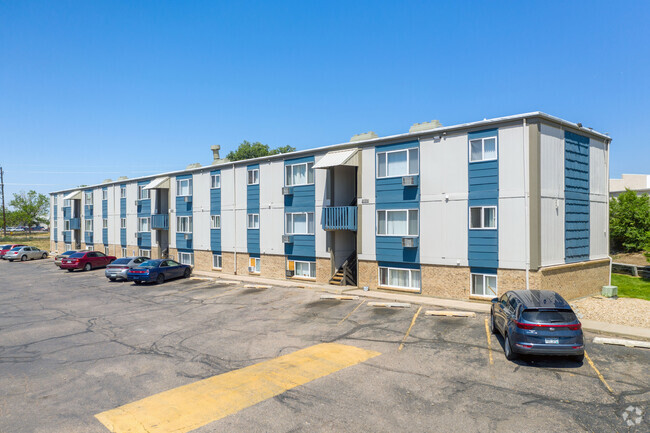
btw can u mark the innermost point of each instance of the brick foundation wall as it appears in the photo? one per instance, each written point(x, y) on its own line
point(227, 262)
point(203, 260)
point(273, 266)
point(445, 281)
point(323, 270)
point(577, 279)
point(367, 274)
point(242, 264)
point(515, 279)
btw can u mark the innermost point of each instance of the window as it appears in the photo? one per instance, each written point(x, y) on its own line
point(397, 222)
point(484, 285)
point(299, 174)
point(66, 225)
point(124, 252)
point(216, 261)
point(123, 191)
point(106, 250)
point(88, 225)
point(184, 224)
point(254, 176)
point(215, 221)
point(145, 253)
point(123, 223)
point(483, 217)
point(401, 278)
point(253, 221)
point(143, 224)
point(305, 269)
point(88, 197)
point(398, 163)
point(104, 223)
point(483, 149)
point(143, 194)
point(183, 187)
point(186, 258)
point(254, 264)
point(68, 247)
point(66, 203)
point(300, 223)
point(54, 200)
point(104, 194)
point(215, 181)
point(55, 224)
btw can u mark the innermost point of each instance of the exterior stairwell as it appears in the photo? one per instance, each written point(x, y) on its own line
point(346, 275)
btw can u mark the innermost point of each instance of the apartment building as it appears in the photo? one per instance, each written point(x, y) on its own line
point(463, 211)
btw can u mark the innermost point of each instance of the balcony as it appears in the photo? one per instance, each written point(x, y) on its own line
point(340, 218)
point(160, 221)
point(75, 223)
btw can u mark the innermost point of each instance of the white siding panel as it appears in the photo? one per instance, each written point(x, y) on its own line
point(320, 183)
point(172, 213)
point(201, 211)
point(552, 231)
point(511, 219)
point(598, 236)
point(240, 208)
point(97, 217)
point(227, 210)
point(512, 161)
point(131, 213)
point(367, 173)
point(114, 215)
point(598, 175)
point(444, 168)
point(552, 161)
point(271, 207)
point(367, 220)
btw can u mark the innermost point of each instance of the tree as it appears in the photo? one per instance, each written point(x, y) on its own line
point(30, 208)
point(247, 150)
point(629, 221)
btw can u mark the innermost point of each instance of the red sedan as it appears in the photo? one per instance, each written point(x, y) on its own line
point(5, 248)
point(86, 260)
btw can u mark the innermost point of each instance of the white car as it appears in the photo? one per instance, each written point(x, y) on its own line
point(24, 253)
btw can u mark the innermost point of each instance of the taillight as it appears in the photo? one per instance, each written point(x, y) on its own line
point(524, 325)
point(575, 327)
point(530, 326)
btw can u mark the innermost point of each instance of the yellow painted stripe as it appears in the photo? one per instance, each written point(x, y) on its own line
point(408, 331)
point(194, 405)
point(350, 313)
point(489, 341)
point(600, 376)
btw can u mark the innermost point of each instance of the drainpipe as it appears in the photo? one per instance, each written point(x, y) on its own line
point(607, 172)
point(234, 209)
point(526, 205)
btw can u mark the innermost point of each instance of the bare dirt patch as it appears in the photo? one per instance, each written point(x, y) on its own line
point(637, 259)
point(621, 311)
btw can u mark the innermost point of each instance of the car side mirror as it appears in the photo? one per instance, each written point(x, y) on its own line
point(495, 300)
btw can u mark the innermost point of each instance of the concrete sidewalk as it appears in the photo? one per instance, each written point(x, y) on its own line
point(451, 304)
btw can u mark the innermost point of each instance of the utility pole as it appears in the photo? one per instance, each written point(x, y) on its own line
point(4, 216)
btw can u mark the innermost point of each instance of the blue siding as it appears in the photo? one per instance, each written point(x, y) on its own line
point(104, 215)
point(483, 189)
point(105, 236)
point(184, 208)
point(303, 199)
point(144, 211)
point(56, 237)
point(67, 236)
point(55, 212)
point(253, 206)
point(122, 215)
point(390, 194)
point(123, 237)
point(215, 209)
point(399, 265)
point(88, 238)
point(484, 271)
point(576, 191)
point(67, 213)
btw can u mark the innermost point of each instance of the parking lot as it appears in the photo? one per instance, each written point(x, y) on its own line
point(76, 348)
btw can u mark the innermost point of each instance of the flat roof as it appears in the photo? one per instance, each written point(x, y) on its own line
point(362, 143)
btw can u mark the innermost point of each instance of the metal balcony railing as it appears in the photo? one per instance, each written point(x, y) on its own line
point(340, 218)
point(160, 221)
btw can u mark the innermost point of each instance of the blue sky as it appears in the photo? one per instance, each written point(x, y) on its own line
point(99, 89)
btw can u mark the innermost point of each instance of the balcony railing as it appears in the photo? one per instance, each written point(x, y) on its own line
point(75, 223)
point(340, 218)
point(160, 221)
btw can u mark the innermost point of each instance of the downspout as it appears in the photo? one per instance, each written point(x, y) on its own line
point(234, 209)
point(526, 204)
point(608, 251)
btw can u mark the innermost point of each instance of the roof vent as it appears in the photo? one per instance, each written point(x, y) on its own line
point(364, 136)
point(122, 178)
point(425, 126)
point(194, 165)
point(216, 159)
point(107, 181)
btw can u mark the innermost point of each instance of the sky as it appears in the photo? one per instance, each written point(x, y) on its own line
point(91, 90)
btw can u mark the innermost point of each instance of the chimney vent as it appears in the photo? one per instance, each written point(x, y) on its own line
point(425, 126)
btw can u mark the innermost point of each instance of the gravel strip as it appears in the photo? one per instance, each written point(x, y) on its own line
point(621, 311)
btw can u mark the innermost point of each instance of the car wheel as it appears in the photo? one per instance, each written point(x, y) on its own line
point(88, 267)
point(69, 270)
point(112, 279)
point(138, 283)
point(23, 258)
point(11, 260)
point(493, 328)
point(507, 348)
point(187, 273)
point(578, 358)
point(160, 279)
point(44, 256)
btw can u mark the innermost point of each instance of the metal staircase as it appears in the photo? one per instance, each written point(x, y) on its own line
point(346, 275)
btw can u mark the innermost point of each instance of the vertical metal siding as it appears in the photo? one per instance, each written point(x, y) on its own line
point(576, 191)
point(303, 199)
point(215, 209)
point(184, 208)
point(252, 206)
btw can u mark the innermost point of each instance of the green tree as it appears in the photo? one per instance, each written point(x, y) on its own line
point(629, 222)
point(30, 208)
point(247, 150)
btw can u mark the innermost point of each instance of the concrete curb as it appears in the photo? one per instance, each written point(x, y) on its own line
point(622, 342)
point(613, 329)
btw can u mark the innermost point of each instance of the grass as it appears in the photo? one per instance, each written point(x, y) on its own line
point(40, 240)
point(631, 287)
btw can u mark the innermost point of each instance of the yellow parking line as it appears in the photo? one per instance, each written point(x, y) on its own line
point(489, 340)
point(600, 376)
point(349, 314)
point(408, 331)
point(191, 406)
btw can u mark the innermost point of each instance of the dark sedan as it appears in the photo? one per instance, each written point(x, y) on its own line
point(158, 270)
point(537, 322)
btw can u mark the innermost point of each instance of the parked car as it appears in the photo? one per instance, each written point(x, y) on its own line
point(86, 260)
point(59, 257)
point(118, 269)
point(5, 248)
point(23, 253)
point(158, 270)
point(537, 322)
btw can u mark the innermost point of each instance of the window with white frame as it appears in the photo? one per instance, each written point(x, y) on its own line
point(55, 224)
point(253, 221)
point(299, 223)
point(254, 263)
point(216, 261)
point(145, 253)
point(183, 187)
point(66, 225)
point(88, 197)
point(215, 221)
point(304, 269)
point(122, 223)
point(88, 225)
point(483, 217)
point(68, 247)
point(253, 176)
point(144, 224)
point(186, 258)
point(399, 278)
point(484, 285)
point(104, 223)
point(104, 194)
point(124, 252)
point(106, 250)
point(66, 203)
point(143, 194)
point(54, 200)
point(184, 224)
point(483, 149)
point(395, 163)
point(123, 191)
point(299, 174)
point(215, 181)
point(398, 222)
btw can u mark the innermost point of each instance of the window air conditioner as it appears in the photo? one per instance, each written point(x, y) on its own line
point(188, 199)
point(187, 236)
point(251, 269)
point(287, 190)
point(409, 242)
point(409, 180)
point(289, 273)
point(287, 239)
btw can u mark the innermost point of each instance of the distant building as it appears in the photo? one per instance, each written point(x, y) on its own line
point(640, 183)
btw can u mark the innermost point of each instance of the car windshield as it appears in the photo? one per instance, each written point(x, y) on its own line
point(549, 316)
point(67, 253)
point(121, 261)
point(4, 247)
point(149, 264)
point(16, 249)
point(77, 255)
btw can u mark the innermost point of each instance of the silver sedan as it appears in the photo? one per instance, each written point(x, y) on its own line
point(118, 268)
point(24, 253)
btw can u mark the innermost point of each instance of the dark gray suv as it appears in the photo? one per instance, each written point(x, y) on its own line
point(537, 322)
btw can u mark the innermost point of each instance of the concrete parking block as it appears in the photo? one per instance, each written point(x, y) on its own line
point(622, 342)
point(450, 313)
point(257, 286)
point(340, 297)
point(390, 304)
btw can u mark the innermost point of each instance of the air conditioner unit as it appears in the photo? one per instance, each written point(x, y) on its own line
point(137, 202)
point(188, 199)
point(287, 190)
point(187, 236)
point(409, 180)
point(409, 242)
point(287, 239)
point(289, 273)
point(251, 269)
